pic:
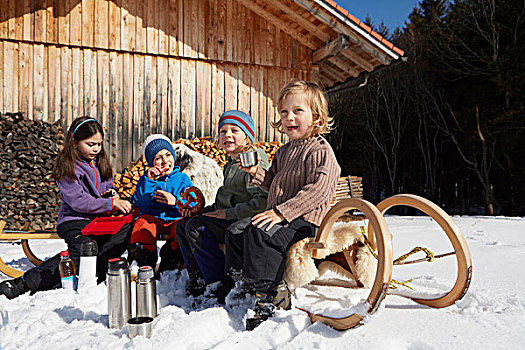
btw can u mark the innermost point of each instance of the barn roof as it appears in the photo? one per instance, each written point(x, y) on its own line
point(343, 47)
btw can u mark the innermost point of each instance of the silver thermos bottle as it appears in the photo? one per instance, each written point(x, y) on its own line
point(146, 293)
point(87, 272)
point(119, 292)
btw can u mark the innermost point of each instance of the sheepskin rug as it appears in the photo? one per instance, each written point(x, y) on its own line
point(301, 268)
point(203, 171)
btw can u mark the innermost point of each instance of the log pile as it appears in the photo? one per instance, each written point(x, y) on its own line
point(28, 149)
point(125, 182)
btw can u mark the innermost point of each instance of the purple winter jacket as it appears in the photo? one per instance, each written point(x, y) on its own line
point(81, 198)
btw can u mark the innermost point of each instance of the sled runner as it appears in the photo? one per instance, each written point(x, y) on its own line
point(343, 250)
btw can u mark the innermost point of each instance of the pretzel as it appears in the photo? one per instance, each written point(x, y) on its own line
point(189, 196)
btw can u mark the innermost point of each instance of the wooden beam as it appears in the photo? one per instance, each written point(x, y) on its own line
point(360, 61)
point(331, 49)
point(331, 73)
point(278, 23)
point(292, 14)
point(345, 67)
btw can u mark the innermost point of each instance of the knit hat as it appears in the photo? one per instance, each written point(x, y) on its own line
point(155, 143)
point(241, 119)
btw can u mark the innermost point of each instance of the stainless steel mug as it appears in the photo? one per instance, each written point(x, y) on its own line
point(248, 159)
point(140, 326)
point(146, 293)
point(119, 292)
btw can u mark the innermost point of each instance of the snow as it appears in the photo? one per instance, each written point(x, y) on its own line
point(491, 315)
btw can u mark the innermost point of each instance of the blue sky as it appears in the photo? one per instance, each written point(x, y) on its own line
point(393, 12)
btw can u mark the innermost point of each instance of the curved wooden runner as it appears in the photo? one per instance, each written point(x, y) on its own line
point(384, 266)
point(455, 236)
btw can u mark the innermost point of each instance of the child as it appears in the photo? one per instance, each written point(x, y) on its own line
point(237, 199)
point(156, 193)
point(84, 176)
point(301, 183)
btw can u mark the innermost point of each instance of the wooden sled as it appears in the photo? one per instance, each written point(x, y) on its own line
point(381, 241)
point(24, 239)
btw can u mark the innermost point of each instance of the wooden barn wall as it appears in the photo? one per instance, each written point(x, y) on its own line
point(144, 66)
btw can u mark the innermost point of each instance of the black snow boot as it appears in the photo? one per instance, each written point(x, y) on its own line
point(13, 288)
point(224, 288)
point(267, 303)
point(170, 259)
point(143, 257)
point(196, 285)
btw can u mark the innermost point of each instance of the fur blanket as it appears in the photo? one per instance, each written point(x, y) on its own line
point(203, 171)
point(301, 268)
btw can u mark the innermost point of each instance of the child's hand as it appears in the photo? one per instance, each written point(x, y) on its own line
point(165, 197)
point(270, 217)
point(122, 205)
point(155, 172)
point(250, 170)
point(219, 214)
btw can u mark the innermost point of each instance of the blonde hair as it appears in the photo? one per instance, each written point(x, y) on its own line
point(316, 101)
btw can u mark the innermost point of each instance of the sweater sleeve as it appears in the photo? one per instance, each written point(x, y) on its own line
point(319, 186)
point(74, 194)
point(144, 193)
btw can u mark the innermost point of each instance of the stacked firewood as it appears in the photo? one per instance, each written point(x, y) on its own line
point(28, 149)
point(125, 182)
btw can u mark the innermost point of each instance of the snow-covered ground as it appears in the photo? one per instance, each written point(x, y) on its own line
point(490, 316)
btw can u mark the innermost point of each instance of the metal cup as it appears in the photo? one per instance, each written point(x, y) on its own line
point(140, 326)
point(248, 159)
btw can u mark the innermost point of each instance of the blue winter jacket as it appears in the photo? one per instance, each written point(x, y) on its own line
point(143, 198)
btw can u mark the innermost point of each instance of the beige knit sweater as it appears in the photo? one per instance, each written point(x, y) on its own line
point(301, 180)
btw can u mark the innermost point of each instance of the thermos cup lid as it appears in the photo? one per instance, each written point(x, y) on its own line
point(88, 248)
point(145, 272)
point(117, 264)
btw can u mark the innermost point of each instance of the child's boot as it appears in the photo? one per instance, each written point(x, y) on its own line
point(170, 259)
point(196, 285)
point(267, 303)
point(13, 288)
point(143, 257)
point(224, 288)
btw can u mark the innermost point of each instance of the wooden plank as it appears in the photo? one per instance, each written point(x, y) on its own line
point(180, 28)
point(203, 106)
point(173, 32)
point(254, 98)
point(63, 22)
point(87, 77)
point(211, 27)
point(230, 87)
point(2, 69)
point(25, 70)
point(128, 25)
point(45, 87)
point(76, 82)
point(270, 45)
point(217, 97)
point(228, 56)
point(52, 21)
point(27, 18)
point(4, 21)
point(101, 24)
point(114, 122)
point(248, 43)
point(188, 95)
point(263, 125)
point(65, 111)
point(188, 38)
point(221, 29)
point(9, 84)
point(20, 8)
point(163, 26)
point(202, 14)
point(152, 87)
point(103, 90)
point(11, 19)
point(138, 103)
point(141, 31)
point(126, 137)
point(235, 29)
point(38, 82)
point(114, 24)
point(75, 24)
point(151, 29)
point(148, 67)
point(174, 98)
point(162, 95)
point(243, 88)
point(53, 68)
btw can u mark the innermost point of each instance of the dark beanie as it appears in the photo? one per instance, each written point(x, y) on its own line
point(155, 143)
point(241, 119)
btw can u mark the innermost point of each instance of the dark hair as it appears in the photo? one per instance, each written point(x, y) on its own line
point(81, 129)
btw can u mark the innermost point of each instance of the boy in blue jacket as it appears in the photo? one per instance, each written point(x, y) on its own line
point(156, 193)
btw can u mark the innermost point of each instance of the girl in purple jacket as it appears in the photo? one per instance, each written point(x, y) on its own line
point(85, 179)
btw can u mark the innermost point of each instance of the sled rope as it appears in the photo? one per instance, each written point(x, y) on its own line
point(404, 284)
